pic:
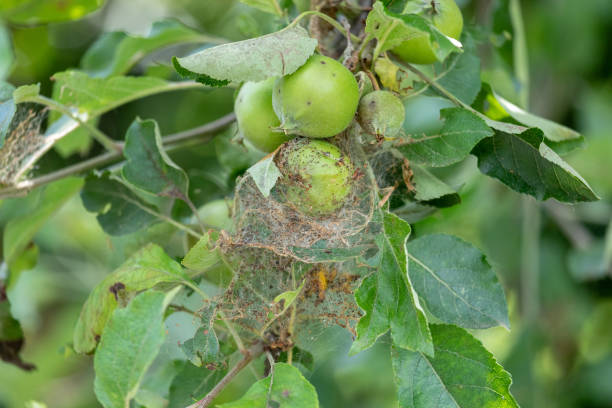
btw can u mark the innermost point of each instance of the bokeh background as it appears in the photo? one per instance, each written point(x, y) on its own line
point(554, 260)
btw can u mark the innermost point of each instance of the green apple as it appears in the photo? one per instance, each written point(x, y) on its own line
point(216, 214)
point(446, 17)
point(381, 113)
point(318, 100)
point(256, 119)
point(318, 175)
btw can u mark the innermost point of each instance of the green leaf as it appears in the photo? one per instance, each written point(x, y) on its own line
point(456, 283)
point(289, 297)
point(462, 72)
point(78, 141)
point(120, 211)
point(204, 254)
point(431, 190)
point(26, 92)
point(387, 296)
point(269, 6)
point(148, 167)
point(26, 260)
point(10, 329)
point(46, 11)
point(525, 164)
point(201, 78)
point(20, 230)
point(405, 6)
point(463, 374)
point(277, 54)
point(147, 268)
point(462, 130)
point(115, 53)
point(203, 348)
point(11, 335)
point(557, 136)
point(392, 29)
point(191, 384)
point(507, 117)
point(154, 388)
point(288, 390)
point(96, 96)
point(387, 72)
point(265, 174)
point(6, 53)
point(128, 346)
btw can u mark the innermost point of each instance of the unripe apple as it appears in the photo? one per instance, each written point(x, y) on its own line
point(317, 175)
point(216, 214)
point(446, 17)
point(318, 100)
point(381, 113)
point(256, 119)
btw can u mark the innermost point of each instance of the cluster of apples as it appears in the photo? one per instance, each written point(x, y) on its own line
point(319, 101)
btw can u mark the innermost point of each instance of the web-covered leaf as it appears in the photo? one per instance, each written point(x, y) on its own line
point(276, 54)
point(456, 283)
point(23, 142)
point(276, 224)
point(527, 165)
point(323, 293)
point(461, 374)
point(145, 269)
point(128, 347)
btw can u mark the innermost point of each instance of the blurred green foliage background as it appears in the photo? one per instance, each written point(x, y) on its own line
point(549, 256)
